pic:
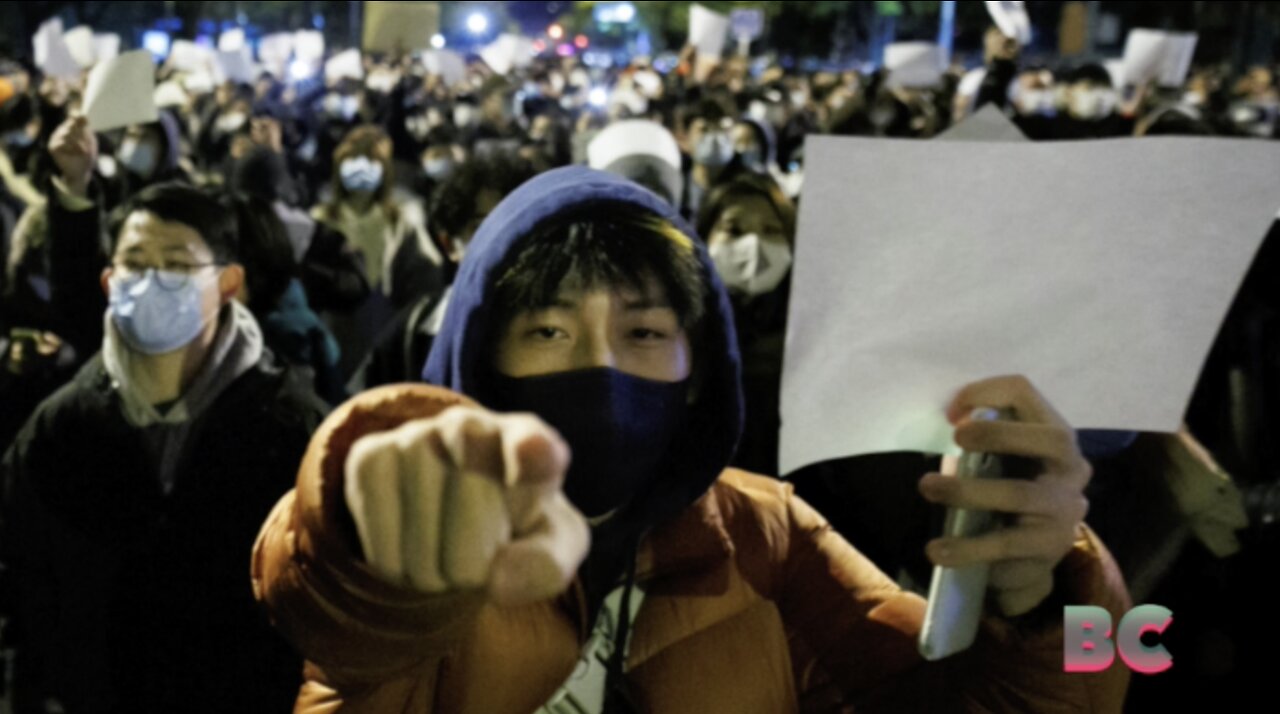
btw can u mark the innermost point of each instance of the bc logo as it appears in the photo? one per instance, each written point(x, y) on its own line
point(1088, 646)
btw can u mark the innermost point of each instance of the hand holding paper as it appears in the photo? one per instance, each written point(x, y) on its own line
point(74, 148)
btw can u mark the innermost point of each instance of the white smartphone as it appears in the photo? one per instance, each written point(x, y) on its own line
point(956, 594)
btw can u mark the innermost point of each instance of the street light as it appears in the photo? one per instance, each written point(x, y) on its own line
point(477, 23)
point(437, 41)
point(555, 32)
point(300, 70)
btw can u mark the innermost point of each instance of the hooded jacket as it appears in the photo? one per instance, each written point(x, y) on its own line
point(752, 603)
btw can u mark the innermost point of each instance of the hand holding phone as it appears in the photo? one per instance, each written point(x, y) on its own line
point(1040, 513)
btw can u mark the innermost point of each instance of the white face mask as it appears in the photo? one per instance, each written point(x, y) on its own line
point(1093, 104)
point(751, 265)
point(230, 123)
point(1031, 102)
point(463, 116)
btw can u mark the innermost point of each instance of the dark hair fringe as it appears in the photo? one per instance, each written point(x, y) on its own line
point(602, 245)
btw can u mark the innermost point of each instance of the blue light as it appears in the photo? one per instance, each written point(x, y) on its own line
point(156, 42)
point(300, 70)
point(619, 13)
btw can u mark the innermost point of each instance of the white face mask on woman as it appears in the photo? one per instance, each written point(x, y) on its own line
point(749, 264)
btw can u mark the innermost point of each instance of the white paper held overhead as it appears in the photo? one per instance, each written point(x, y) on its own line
point(308, 45)
point(80, 44)
point(187, 56)
point(235, 66)
point(232, 40)
point(121, 92)
point(914, 64)
point(106, 46)
point(1100, 270)
point(51, 52)
point(450, 66)
point(344, 65)
point(707, 31)
point(1158, 56)
point(399, 26)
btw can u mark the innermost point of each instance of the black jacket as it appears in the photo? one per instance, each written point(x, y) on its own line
point(123, 598)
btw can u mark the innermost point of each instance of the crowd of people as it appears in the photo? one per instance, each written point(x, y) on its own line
point(317, 285)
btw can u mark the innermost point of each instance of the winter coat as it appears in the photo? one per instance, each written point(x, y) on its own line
point(126, 598)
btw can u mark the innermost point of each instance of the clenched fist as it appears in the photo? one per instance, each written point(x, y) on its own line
point(468, 499)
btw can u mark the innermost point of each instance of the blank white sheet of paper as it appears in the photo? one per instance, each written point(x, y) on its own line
point(1101, 270)
point(121, 92)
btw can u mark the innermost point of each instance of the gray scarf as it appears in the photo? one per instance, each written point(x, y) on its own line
point(237, 347)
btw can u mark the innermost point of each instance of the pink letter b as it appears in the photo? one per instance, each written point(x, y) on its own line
point(1086, 639)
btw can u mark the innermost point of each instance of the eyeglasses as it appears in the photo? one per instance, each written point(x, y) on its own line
point(170, 276)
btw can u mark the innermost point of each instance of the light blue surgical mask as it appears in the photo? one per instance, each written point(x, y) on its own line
point(714, 149)
point(18, 138)
point(158, 311)
point(361, 174)
point(340, 106)
point(438, 169)
point(140, 157)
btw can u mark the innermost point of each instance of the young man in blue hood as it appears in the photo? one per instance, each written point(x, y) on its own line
point(591, 552)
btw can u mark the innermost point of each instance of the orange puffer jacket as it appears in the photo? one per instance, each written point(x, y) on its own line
point(752, 604)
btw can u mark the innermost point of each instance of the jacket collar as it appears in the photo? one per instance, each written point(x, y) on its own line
point(689, 542)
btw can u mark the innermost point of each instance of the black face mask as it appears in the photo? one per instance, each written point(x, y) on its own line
point(619, 428)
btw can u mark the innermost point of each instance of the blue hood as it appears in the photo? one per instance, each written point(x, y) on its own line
point(457, 360)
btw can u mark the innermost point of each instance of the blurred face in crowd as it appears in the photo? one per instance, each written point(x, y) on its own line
point(486, 201)
point(496, 108)
point(996, 46)
point(1091, 101)
point(1257, 85)
point(541, 128)
point(746, 143)
point(1034, 94)
point(439, 161)
point(234, 118)
point(709, 142)
point(141, 150)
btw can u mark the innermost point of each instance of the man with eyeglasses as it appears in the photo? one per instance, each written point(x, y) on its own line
point(132, 496)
